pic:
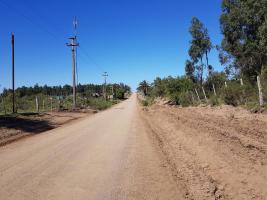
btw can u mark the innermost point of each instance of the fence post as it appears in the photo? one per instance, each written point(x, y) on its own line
point(59, 104)
point(214, 90)
point(241, 82)
point(205, 94)
point(43, 105)
point(37, 104)
point(225, 83)
point(260, 91)
point(197, 95)
point(51, 102)
point(192, 95)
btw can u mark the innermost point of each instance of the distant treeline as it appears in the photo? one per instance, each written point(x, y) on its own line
point(86, 90)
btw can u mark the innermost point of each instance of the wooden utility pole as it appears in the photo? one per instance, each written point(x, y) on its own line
point(73, 44)
point(105, 75)
point(13, 72)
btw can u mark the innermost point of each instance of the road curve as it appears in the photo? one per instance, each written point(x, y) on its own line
point(110, 155)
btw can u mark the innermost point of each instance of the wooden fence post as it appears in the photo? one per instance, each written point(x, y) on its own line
point(43, 105)
point(192, 95)
point(260, 92)
point(225, 83)
point(197, 95)
point(37, 104)
point(214, 90)
point(59, 104)
point(205, 94)
point(51, 102)
point(241, 82)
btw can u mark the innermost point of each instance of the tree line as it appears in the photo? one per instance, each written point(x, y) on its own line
point(51, 98)
point(85, 90)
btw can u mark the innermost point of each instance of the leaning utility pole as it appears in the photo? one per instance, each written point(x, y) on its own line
point(73, 44)
point(105, 75)
point(13, 71)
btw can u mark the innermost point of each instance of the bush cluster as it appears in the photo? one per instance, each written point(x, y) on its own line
point(218, 89)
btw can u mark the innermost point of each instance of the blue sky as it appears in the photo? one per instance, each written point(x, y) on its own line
point(132, 40)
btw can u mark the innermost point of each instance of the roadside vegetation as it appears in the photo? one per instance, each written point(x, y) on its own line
point(58, 98)
point(242, 52)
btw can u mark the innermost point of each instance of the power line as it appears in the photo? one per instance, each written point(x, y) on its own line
point(90, 58)
point(54, 36)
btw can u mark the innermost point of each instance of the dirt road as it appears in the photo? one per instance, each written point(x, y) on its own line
point(110, 155)
point(129, 152)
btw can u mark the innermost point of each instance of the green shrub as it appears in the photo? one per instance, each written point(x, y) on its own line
point(214, 100)
point(185, 99)
point(99, 103)
point(145, 103)
point(236, 95)
point(233, 94)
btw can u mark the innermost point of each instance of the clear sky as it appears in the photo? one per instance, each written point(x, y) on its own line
point(132, 40)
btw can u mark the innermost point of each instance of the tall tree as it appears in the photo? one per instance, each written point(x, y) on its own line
point(244, 26)
point(200, 46)
point(190, 70)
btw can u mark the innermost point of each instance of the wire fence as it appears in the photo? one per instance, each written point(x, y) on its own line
point(235, 92)
point(43, 103)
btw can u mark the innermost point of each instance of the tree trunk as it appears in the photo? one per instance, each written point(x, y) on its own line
point(201, 71)
point(207, 59)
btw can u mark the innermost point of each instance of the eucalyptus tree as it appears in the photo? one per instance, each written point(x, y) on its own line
point(244, 27)
point(190, 70)
point(200, 46)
